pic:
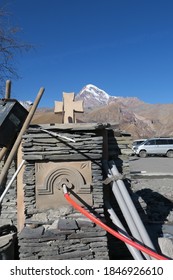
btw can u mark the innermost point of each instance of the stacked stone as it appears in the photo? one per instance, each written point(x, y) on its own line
point(42, 146)
point(62, 233)
point(8, 212)
point(124, 143)
point(119, 144)
point(70, 236)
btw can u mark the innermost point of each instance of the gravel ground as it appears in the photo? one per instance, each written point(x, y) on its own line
point(154, 201)
point(156, 196)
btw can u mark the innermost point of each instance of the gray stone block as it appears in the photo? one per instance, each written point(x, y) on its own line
point(67, 224)
point(31, 233)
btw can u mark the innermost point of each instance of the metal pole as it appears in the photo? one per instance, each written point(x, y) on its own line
point(19, 138)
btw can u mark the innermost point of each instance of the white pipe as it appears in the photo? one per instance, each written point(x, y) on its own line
point(125, 211)
point(57, 135)
point(134, 252)
point(11, 181)
point(145, 237)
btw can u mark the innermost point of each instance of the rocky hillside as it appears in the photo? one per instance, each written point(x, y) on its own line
point(134, 116)
point(140, 119)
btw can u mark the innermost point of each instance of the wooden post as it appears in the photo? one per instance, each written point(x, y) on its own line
point(19, 138)
point(8, 89)
point(7, 96)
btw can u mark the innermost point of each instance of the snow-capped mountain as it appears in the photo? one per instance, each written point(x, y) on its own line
point(93, 96)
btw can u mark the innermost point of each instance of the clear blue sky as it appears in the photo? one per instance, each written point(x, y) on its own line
point(124, 47)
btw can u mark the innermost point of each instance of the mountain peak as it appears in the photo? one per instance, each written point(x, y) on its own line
point(97, 92)
point(93, 96)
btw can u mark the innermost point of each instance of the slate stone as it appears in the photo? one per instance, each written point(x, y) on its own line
point(166, 245)
point(74, 255)
point(168, 229)
point(81, 235)
point(67, 224)
point(30, 233)
point(83, 222)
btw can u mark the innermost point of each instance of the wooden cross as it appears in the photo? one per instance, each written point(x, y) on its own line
point(69, 107)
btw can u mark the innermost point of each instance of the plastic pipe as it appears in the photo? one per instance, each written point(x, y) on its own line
point(111, 231)
point(125, 211)
point(57, 135)
point(134, 252)
point(145, 237)
point(11, 181)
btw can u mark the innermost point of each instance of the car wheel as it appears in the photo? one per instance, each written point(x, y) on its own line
point(142, 154)
point(169, 154)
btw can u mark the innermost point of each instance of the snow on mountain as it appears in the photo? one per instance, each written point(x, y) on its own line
point(96, 92)
point(93, 96)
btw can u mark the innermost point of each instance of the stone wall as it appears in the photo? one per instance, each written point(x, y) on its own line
point(62, 232)
point(8, 207)
point(8, 217)
point(119, 144)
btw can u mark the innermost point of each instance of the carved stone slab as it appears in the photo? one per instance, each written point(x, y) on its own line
point(50, 176)
point(68, 107)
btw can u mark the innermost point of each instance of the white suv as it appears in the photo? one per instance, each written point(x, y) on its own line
point(155, 146)
point(136, 143)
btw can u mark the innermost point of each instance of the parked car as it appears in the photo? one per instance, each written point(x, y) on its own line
point(155, 146)
point(136, 143)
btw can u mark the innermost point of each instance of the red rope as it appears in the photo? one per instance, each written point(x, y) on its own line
point(113, 232)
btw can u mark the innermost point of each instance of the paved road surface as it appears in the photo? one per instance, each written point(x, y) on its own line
point(151, 164)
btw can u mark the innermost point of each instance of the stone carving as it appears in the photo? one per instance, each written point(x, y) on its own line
point(67, 175)
point(68, 107)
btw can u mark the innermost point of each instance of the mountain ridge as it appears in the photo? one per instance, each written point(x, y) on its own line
point(140, 119)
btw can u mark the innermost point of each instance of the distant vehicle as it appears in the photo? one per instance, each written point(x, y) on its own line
point(136, 143)
point(155, 146)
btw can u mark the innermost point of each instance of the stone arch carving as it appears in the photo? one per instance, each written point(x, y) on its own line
point(50, 177)
point(57, 176)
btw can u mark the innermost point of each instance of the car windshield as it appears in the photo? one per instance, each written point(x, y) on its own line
point(138, 142)
point(150, 142)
